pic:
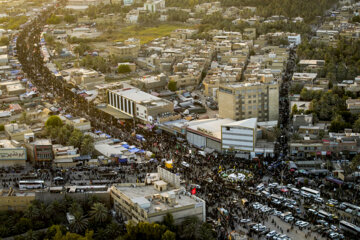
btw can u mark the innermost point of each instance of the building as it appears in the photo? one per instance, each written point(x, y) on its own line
point(4, 60)
point(294, 39)
point(79, 123)
point(151, 83)
point(84, 78)
point(150, 203)
point(139, 104)
point(304, 77)
point(12, 154)
point(40, 151)
point(128, 2)
point(239, 136)
point(154, 5)
point(15, 200)
point(206, 133)
point(353, 105)
point(16, 132)
point(15, 89)
point(249, 100)
point(64, 156)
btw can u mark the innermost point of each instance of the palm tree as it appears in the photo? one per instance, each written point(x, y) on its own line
point(79, 224)
point(99, 213)
point(193, 228)
point(112, 230)
point(32, 212)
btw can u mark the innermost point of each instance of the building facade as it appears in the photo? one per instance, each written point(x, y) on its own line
point(138, 104)
point(249, 100)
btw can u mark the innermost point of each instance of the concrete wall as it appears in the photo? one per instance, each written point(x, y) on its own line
point(17, 203)
point(48, 197)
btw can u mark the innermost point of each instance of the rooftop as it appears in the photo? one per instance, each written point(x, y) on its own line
point(145, 197)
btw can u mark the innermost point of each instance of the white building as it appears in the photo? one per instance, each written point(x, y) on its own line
point(294, 39)
point(136, 103)
point(239, 136)
point(154, 5)
point(128, 2)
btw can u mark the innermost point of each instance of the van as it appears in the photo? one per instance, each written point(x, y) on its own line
point(266, 194)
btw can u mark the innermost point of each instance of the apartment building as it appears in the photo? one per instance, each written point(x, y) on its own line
point(249, 100)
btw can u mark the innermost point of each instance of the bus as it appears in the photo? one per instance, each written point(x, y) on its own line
point(312, 192)
point(346, 205)
point(349, 228)
point(31, 184)
point(326, 215)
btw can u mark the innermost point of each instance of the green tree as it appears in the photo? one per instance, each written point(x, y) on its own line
point(79, 224)
point(355, 163)
point(193, 228)
point(87, 145)
point(172, 85)
point(82, 48)
point(169, 222)
point(356, 126)
point(4, 41)
point(76, 138)
point(53, 121)
point(53, 19)
point(168, 235)
point(99, 213)
point(70, 18)
point(124, 68)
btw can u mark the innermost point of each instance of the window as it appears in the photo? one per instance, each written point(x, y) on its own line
point(249, 107)
point(227, 128)
point(250, 112)
point(254, 96)
point(249, 101)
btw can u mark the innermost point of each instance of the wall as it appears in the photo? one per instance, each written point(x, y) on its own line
point(48, 197)
point(17, 203)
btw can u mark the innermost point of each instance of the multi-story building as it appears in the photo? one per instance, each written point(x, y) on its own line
point(249, 100)
point(138, 104)
point(15, 201)
point(150, 203)
point(12, 154)
point(40, 150)
point(154, 5)
point(84, 78)
point(16, 132)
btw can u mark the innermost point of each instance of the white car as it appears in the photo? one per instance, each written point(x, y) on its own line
point(185, 164)
point(319, 200)
point(245, 220)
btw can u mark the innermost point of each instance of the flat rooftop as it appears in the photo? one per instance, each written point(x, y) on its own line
point(143, 194)
point(141, 97)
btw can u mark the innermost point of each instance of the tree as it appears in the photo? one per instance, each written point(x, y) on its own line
point(124, 68)
point(76, 138)
point(169, 222)
point(168, 235)
point(99, 213)
point(87, 145)
point(79, 224)
point(355, 163)
point(82, 48)
point(172, 85)
point(53, 121)
point(193, 228)
point(53, 19)
point(356, 126)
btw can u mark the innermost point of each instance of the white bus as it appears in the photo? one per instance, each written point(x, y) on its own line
point(349, 228)
point(346, 205)
point(312, 192)
point(326, 215)
point(31, 184)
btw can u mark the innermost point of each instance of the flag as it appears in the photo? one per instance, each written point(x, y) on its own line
point(193, 191)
